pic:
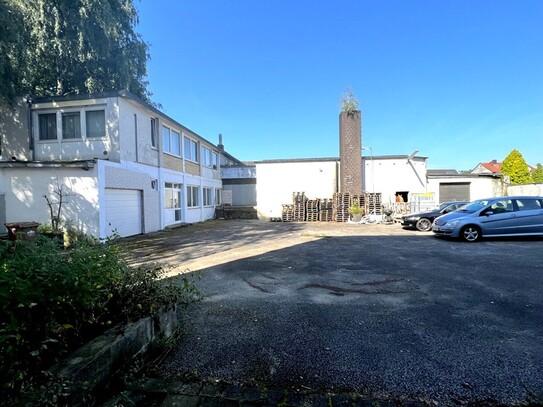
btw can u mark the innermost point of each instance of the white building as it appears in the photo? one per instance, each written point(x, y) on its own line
point(123, 165)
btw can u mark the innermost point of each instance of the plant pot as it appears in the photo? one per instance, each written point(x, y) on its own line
point(356, 217)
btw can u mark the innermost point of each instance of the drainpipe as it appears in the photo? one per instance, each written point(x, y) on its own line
point(30, 127)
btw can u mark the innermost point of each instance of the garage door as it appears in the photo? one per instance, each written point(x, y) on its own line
point(454, 191)
point(123, 212)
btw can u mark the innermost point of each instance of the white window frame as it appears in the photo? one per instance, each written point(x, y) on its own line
point(193, 192)
point(55, 128)
point(207, 195)
point(190, 149)
point(172, 189)
point(68, 113)
point(59, 115)
point(87, 111)
point(170, 139)
point(154, 128)
point(206, 156)
point(218, 197)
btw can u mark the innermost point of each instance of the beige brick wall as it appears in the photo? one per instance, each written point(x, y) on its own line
point(172, 163)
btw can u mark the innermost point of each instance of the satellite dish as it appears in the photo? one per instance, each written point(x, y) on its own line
point(414, 153)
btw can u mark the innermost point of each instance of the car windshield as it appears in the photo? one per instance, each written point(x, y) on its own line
point(474, 206)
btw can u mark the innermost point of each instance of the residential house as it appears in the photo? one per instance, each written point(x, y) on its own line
point(124, 166)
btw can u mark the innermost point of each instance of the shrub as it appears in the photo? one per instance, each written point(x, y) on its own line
point(53, 300)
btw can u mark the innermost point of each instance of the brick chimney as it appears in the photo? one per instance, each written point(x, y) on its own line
point(350, 152)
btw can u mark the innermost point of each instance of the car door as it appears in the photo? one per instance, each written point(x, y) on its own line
point(499, 218)
point(529, 215)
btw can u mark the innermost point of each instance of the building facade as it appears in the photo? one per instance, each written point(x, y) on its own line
point(123, 166)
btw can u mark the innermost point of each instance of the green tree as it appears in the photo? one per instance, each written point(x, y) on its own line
point(10, 51)
point(80, 46)
point(516, 168)
point(537, 175)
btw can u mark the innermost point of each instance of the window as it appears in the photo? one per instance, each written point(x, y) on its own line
point(153, 132)
point(71, 125)
point(218, 197)
point(166, 139)
point(47, 126)
point(171, 141)
point(206, 156)
point(208, 197)
point(215, 160)
point(96, 123)
point(192, 196)
point(528, 204)
point(172, 199)
point(191, 149)
point(175, 143)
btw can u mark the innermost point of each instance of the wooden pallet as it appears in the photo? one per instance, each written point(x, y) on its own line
point(326, 215)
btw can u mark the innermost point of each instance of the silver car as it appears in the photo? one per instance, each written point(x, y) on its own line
point(500, 216)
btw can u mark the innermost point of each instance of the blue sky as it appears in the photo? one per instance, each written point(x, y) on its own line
point(459, 80)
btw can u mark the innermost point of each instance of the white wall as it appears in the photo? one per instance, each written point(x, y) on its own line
point(480, 186)
point(528, 189)
point(137, 149)
point(81, 149)
point(24, 190)
point(276, 181)
point(390, 175)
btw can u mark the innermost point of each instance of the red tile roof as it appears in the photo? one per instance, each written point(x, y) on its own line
point(493, 166)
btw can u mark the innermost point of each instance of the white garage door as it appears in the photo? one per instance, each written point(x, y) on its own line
point(123, 212)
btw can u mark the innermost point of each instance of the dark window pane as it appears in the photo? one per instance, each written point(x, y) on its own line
point(96, 123)
point(47, 126)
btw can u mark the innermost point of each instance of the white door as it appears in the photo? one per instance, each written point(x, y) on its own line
point(123, 212)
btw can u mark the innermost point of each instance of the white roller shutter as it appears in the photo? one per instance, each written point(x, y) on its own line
point(124, 212)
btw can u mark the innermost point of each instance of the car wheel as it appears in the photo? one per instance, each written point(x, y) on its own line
point(470, 233)
point(424, 225)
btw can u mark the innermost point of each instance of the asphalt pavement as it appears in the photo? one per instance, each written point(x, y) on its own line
point(370, 310)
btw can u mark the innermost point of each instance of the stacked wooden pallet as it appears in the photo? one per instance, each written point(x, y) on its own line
point(341, 203)
point(299, 199)
point(373, 204)
point(287, 214)
point(312, 210)
point(326, 210)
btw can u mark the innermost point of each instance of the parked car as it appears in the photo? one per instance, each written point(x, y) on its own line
point(500, 216)
point(423, 220)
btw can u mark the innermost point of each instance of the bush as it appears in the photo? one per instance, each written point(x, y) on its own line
point(54, 300)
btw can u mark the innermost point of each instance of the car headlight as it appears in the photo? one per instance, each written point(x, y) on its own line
point(452, 223)
point(411, 218)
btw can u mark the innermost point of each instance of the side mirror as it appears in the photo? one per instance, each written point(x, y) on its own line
point(488, 213)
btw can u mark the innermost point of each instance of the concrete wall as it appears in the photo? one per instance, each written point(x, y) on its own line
point(24, 190)
point(241, 181)
point(390, 174)
point(480, 186)
point(14, 135)
point(136, 139)
point(276, 181)
point(83, 148)
point(528, 189)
